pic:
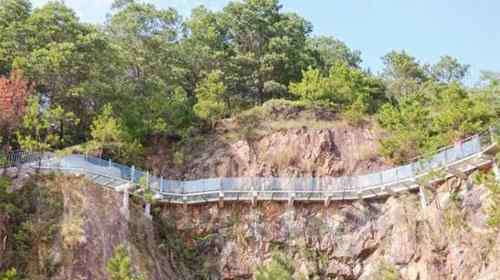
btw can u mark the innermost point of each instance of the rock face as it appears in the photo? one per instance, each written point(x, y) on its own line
point(449, 239)
point(83, 253)
point(4, 221)
point(365, 240)
point(335, 151)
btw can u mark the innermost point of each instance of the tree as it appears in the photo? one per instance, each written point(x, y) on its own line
point(436, 115)
point(266, 44)
point(147, 39)
point(13, 14)
point(211, 104)
point(107, 131)
point(71, 63)
point(42, 128)
point(403, 74)
point(14, 92)
point(35, 135)
point(343, 87)
point(119, 266)
point(449, 69)
point(329, 51)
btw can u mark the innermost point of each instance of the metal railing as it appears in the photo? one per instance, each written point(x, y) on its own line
point(265, 188)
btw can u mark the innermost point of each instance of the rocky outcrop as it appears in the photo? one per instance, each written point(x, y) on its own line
point(449, 239)
point(334, 151)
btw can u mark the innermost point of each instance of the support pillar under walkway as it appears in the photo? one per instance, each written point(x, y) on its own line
point(423, 197)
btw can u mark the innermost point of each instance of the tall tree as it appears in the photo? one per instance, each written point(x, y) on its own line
point(70, 61)
point(14, 93)
point(268, 44)
point(211, 105)
point(147, 39)
point(13, 14)
point(448, 69)
point(403, 73)
point(329, 51)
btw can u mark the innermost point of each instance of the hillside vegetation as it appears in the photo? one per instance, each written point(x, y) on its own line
point(147, 74)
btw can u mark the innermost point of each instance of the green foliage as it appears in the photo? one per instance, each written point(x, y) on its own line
point(119, 266)
point(329, 51)
point(279, 268)
point(210, 94)
point(346, 88)
point(43, 129)
point(386, 271)
point(434, 116)
point(11, 274)
point(168, 76)
point(489, 180)
point(449, 69)
point(34, 212)
point(109, 136)
point(106, 129)
point(403, 74)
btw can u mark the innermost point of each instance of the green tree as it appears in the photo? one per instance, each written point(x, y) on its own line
point(342, 88)
point(34, 134)
point(71, 63)
point(329, 51)
point(148, 42)
point(448, 69)
point(212, 104)
point(436, 115)
point(107, 131)
point(267, 44)
point(43, 129)
point(13, 14)
point(119, 267)
point(402, 73)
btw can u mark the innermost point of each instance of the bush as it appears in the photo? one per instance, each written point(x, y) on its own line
point(279, 268)
point(119, 266)
point(11, 274)
point(435, 116)
point(386, 271)
point(342, 88)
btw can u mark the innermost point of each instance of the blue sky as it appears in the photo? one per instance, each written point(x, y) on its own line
point(428, 29)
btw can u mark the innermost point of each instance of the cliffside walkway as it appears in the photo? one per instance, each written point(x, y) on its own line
point(457, 160)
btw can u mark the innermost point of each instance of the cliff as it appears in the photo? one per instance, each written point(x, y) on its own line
point(275, 139)
point(448, 239)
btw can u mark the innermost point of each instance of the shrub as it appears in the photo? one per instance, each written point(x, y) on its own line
point(279, 268)
point(11, 274)
point(119, 266)
point(386, 271)
point(489, 181)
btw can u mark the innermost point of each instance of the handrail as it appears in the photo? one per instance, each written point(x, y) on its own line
point(371, 183)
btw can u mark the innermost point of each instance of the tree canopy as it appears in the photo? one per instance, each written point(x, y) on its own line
point(164, 75)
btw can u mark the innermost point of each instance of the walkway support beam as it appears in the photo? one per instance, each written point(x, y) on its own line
point(291, 199)
point(221, 199)
point(423, 197)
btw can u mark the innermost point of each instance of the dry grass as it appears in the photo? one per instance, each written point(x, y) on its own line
point(72, 232)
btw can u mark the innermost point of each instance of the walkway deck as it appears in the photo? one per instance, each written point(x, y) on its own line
point(458, 160)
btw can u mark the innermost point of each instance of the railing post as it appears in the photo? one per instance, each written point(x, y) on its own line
point(221, 194)
point(125, 206)
point(132, 174)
